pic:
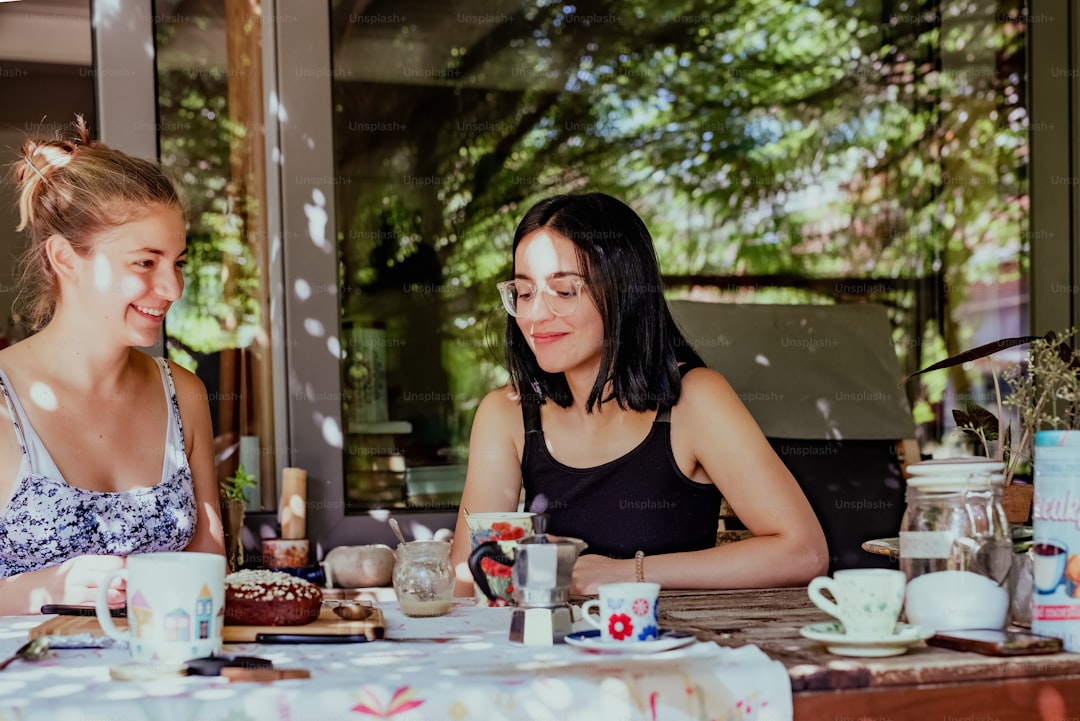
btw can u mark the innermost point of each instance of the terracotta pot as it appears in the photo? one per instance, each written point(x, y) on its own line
point(1016, 501)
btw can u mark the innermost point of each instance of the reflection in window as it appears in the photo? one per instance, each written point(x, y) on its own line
point(210, 108)
point(786, 151)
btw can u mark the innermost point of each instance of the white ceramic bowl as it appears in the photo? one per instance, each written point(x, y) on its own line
point(950, 600)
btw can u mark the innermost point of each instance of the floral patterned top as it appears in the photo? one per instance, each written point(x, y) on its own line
point(46, 521)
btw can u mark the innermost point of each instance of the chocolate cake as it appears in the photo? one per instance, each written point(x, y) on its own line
point(270, 598)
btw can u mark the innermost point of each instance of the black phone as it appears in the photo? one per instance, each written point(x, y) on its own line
point(68, 610)
point(996, 642)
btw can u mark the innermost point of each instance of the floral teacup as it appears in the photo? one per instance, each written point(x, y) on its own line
point(506, 528)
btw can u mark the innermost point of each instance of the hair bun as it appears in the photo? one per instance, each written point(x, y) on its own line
point(40, 158)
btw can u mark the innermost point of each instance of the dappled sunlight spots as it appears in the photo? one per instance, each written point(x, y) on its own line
point(105, 12)
point(10, 684)
point(124, 693)
point(418, 531)
point(102, 273)
point(302, 289)
point(42, 396)
point(213, 694)
point(18, 629)
point(380, 514)
point(317, 217)
point(541, 256)
point(314, 327)
point(334, 346)
point(393, 655)
point(60, 689)
point(129, 286)
point(824, 407)
point(331, 431)
point(762, 360)
point(558, 697)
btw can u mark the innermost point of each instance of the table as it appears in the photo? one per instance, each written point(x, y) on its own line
point(926, 684)
point(479, 675)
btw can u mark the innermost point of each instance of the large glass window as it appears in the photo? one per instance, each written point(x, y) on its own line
point(210, 105)
point(780, 151)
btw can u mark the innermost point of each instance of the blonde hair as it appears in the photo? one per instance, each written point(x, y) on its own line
point(76, 189)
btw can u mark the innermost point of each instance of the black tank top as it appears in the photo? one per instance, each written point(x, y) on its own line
point(641, 501)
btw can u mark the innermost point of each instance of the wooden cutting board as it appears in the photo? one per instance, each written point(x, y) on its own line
point(327, 624)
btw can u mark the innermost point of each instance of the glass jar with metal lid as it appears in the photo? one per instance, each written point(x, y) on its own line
point(956, 546)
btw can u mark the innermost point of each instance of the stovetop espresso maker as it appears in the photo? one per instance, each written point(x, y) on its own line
point(541, 570)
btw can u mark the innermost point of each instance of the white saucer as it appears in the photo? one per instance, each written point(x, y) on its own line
point(831, 634)
point(592, 642)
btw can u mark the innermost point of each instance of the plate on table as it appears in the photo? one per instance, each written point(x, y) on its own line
point(592, 642)
point(831, 633)
point(1021, 537)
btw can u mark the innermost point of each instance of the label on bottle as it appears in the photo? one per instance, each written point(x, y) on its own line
point(1056, 545)
point(926, 544)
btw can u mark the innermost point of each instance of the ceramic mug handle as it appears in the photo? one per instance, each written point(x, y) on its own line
point(824, 583)
point(586, 607)
point(101, 607)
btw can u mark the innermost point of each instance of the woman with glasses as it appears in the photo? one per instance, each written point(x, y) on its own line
point(614, 427)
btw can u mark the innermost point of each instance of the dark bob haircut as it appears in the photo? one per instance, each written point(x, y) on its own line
point(642, 345)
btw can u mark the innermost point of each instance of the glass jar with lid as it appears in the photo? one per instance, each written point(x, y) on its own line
point(956, 545)
point(423, 578)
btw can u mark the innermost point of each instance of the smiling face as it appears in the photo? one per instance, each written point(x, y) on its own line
point(133, 274)
point(562, 344)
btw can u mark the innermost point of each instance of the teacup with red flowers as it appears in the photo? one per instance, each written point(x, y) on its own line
point(507, 529)
point(627, 612)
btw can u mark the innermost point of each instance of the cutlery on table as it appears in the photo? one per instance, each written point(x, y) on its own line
point(293, 638)
point(35, 649)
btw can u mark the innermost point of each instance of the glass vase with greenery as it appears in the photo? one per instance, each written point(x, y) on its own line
point(232, 490)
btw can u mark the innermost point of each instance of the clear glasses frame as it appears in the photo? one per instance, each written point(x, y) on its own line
point(561, 295)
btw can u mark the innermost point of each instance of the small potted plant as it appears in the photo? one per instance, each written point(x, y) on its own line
point(1045, 391)
point(232, 491)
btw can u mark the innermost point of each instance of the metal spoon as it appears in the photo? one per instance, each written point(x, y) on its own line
point(35, 649)
point(353, 611)
point(397, 530)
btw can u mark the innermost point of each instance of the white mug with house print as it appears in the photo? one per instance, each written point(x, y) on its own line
point(175, 606)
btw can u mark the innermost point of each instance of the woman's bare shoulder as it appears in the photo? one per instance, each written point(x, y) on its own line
point(703, 387)
point(188, 385)
point(502, 404)
point(499, 417)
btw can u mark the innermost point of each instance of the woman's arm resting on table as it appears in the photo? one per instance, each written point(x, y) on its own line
point(199, 440)
point(74, 582)
point(788, 547)
point(493, 481)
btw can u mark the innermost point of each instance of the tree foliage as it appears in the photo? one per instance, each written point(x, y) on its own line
point(801, 138)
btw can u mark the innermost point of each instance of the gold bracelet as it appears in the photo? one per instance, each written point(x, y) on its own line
point(639, 566)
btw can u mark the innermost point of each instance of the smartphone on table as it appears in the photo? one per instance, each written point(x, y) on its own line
point(996, 642)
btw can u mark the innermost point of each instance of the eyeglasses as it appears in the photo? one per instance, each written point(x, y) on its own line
point(560, 295)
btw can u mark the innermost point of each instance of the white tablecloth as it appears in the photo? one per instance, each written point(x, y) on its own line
point(480, 675)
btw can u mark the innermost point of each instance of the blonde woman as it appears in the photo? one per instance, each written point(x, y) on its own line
point(104, 450)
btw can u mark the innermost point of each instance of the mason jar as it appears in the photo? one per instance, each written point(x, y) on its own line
point(956, 546)
point(423, 578)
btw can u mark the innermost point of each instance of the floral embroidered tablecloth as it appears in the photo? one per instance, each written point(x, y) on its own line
point(478, 675)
